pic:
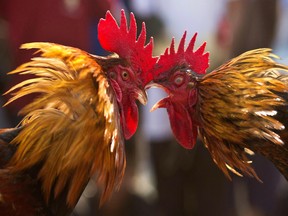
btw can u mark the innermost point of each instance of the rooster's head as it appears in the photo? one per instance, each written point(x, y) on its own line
point(177, 72)
point(130, 70)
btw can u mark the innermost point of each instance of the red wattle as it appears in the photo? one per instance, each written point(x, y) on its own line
point(182, 125)
point(129, 120)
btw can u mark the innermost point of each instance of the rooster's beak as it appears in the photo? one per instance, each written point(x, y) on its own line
point(141, 95)
point(153, 84)
point(160, 104)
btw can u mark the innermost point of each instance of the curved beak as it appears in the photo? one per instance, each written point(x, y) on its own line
point(141, 96)
point(160, 104)
point(153, 84)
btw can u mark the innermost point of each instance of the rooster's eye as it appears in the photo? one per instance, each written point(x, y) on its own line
point(178, 80)
point(125, 75)
point(112, 75)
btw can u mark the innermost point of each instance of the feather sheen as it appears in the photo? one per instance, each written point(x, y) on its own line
point(237, 103)
point(70, 127)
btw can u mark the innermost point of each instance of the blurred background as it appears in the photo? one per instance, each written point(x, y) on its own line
point(162, 178)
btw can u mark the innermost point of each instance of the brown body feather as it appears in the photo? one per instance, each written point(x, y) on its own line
point(20, 195)
point(243, 105)
point(71, 131)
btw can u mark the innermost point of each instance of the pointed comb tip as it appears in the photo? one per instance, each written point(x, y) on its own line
point(143, 26)
point(131, 15)
point(109, 17)
point(206, 55)
point(132, 31)
point(172, 46)
point(142, 36)
point(201, 49)
point(181, 46)
point(150, 43)
point(108, 13)
point(133, 23)
point(123, 22)
point(191, 44)
point(166, 51)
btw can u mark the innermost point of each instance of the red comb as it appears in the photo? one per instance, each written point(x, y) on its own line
point(198, 61)
point(123, 41)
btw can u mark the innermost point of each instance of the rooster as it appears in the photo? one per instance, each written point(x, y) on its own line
point(85, 107)
point(236, 110)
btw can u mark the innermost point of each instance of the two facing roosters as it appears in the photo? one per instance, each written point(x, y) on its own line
point(84, 109)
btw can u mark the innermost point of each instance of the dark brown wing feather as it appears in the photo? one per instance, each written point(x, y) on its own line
point(7, 150)
point(20, 195)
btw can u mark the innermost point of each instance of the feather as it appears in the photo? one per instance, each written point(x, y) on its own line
point(71, 126)
point(240, 104)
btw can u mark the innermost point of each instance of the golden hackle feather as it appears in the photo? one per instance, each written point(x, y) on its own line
point(238, 102)
point(72, 128)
